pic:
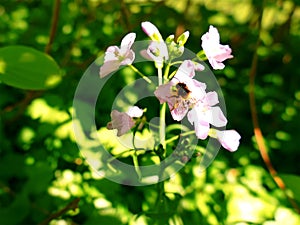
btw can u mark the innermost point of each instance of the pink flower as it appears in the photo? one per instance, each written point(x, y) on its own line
point(189, 67)
point(182, 92)
point(215, 52)
point(123, 122)
point(156, 51)
point(152, 31)
point(116, 57)
point(205, 113)
point(229, 139)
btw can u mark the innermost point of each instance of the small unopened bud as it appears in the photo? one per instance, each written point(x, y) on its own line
point(170, 39)
point(181, 40)
point(109, 126)
point(152, 31)
point(184, 159)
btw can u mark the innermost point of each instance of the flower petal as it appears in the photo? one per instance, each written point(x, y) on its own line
point(229, 139)
point(120, 121)
point(152, 31)
point(212, 35)
point(111, 53)
point(212, 98)
point(216, 117)
point(115, 56)
point(163, 93)
point(128, 40)
point(201, 126)
point(214, 51)
point(135, 111)
point(128, 58)
point(179, 112)
point(109, 67)
point(188, 67)
point(158, 52)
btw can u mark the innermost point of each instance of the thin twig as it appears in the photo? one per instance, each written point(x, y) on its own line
point(125, 15)
point(257, 130)
point(54, 23)
point(71, 206)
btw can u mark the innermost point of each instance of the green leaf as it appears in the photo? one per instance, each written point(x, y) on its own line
point(293, 183)
point(26, 68)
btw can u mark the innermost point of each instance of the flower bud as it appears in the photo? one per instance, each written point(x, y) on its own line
point(170, 39)
point(184, 159)
point(152, 31)
point(181, 40)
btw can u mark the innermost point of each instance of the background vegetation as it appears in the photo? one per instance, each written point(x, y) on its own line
point(45, 180)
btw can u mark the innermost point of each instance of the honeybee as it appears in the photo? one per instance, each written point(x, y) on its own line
point(182, 96)
point(182, 90)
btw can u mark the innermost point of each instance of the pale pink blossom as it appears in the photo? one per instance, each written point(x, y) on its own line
point(205, 113)
point(116, 57)
point(182, 92)
point(229, 139)
point(152, 31)
point(156, 51)
point(214, 51)
point(122, 121)
point(189, 67)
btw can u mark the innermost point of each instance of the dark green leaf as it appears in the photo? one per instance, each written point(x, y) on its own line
point(26, 68)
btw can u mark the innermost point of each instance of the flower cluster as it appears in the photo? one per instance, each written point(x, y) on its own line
point(184, 95)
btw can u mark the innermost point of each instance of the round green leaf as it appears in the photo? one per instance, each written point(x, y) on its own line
point(26, 68)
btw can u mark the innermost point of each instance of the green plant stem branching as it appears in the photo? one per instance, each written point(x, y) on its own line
point(141, 74)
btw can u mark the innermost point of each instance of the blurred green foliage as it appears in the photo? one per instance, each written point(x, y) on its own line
point(42, 170)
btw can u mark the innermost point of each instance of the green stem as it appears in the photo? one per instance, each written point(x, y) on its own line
point(167, 70)
point(162, 114)
point(179, 135)
point(177, 62)
point(141, 74)
point(136, 165)
point(162, 125)
point(127, 151)
point(135, 157)
point(160, 78)
point(162, 130)
point(201, 55)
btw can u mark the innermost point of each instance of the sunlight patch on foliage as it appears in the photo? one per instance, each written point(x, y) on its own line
point(26, 137)
point(39, 109)
point(67, 184)
point(110, 139)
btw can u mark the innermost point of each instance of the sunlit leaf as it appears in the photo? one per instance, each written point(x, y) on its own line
point(26, 68)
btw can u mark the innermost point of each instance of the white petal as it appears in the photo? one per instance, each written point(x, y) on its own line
point(179, 112)
point(212, 98)
point(135, 111)
point(128, 40)
point(112, 53)
point(229, 139)
point(217, 117)
point(152, 31)
point(201, 126)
